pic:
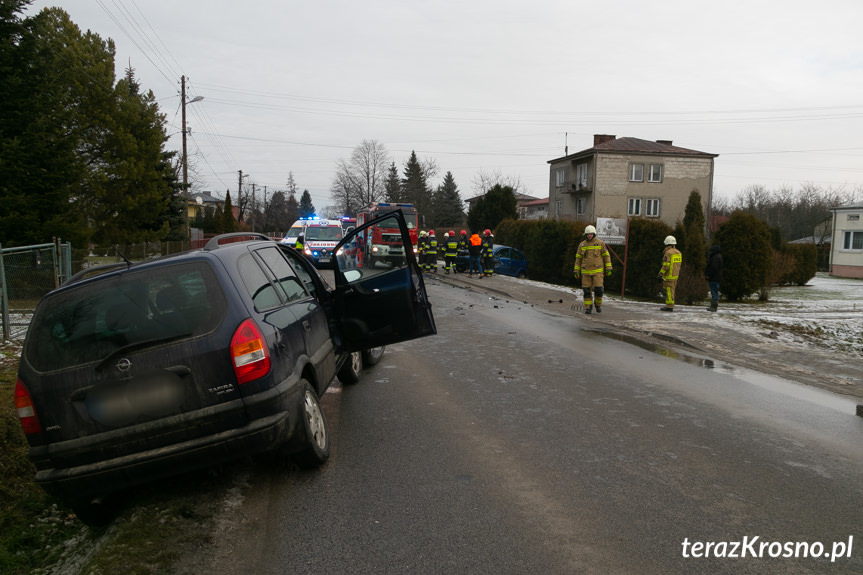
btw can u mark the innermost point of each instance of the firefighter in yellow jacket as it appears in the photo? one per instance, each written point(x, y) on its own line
point(592, 261)
point(672, 259)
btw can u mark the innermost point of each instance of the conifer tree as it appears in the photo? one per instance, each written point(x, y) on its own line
point(228, 214)
point(448, 204)
point(307, 208)
point(415, 188)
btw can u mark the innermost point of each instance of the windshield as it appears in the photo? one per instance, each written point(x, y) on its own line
point(329, 233)
point(294, 231)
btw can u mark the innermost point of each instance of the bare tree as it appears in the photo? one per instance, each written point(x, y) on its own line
point(361, 180)
point(484, 181)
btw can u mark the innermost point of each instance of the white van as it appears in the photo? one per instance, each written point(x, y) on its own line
point(320, 237)
point(296, 229)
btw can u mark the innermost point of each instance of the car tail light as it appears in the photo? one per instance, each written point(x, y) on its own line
point(26, 412)
point(249, 353)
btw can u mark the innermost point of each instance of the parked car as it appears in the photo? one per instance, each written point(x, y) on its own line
point(507, 261)
point(133, 372)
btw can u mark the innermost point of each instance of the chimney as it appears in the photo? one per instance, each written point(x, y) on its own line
point(601, 139)
point(664, 142)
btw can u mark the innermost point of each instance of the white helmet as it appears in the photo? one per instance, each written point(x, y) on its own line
point(670, 241)
point(590, 230)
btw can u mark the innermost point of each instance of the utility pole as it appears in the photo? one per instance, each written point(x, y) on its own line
point(254, 207)
point(186, 229)
point(241, 204)
point(185, 157)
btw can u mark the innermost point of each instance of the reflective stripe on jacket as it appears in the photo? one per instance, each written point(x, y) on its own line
point(592, 257)
point(451, 247)
point(671, 262)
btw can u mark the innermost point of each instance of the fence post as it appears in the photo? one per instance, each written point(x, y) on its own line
point(4, 298)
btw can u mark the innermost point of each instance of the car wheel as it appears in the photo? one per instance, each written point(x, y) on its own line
point(521, 274)
point(317, 440)
point(373, 355)
point(352, 369)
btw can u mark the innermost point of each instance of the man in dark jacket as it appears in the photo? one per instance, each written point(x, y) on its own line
point(713, 275)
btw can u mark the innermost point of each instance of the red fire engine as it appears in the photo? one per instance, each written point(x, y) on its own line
point(381, 243)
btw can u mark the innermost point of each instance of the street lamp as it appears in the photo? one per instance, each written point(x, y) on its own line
point(185, 158)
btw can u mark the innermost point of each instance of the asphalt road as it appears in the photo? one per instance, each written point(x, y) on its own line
point(514, 441)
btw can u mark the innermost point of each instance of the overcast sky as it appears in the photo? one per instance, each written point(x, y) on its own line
point(775, 88)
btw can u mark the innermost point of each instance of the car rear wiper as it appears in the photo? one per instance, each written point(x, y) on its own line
point(136, 346)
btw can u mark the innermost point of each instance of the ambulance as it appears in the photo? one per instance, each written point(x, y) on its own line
point(320, 237)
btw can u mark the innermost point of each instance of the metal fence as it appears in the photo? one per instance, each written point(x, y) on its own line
point(26, 274)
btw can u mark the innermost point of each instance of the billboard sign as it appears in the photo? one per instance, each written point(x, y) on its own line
point(611, 230)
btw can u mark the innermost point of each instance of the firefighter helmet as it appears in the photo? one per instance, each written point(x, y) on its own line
point(590, 230)
point(423, 234)
point(670, 241)
point(451, 233)
point(464, 233)
point(431, 233)
point(487, 232)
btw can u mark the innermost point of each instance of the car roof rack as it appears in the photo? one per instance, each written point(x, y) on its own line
point(97, 270)
point(216, 242)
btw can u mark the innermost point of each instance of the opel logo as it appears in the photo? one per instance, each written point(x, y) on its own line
point(124, 364)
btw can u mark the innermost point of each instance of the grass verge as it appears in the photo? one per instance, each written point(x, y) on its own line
point(153, 528)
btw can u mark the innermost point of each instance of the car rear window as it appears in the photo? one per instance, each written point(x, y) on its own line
point(88, 323)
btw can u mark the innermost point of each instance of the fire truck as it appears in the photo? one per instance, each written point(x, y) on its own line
point(378, 244)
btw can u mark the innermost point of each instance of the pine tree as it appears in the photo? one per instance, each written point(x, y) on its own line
point(392, 185)
point(414, 187)
point(307, 208)
point(448, 204)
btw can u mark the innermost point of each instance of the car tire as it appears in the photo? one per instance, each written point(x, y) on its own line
point(352, 369)
point(317, 437)
point(521, 275)
point(373, 356)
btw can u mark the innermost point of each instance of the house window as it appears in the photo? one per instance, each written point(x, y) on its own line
point(652, 208)
point(581, 176)
point(580, 204)
point(634, 207)
point(853, 241)
point(636, 172)
point(558, 205)
point(654, 174)
point(853, 217)
point(559, 177)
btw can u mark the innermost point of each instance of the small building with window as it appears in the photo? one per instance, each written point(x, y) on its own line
point(846, 253)
point(629, 177)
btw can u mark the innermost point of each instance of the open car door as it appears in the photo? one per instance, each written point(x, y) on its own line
point(381, 302)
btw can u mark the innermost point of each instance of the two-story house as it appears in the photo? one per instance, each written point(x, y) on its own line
point(629, 177)
point(846, 252)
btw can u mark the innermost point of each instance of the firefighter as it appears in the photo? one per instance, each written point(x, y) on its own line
point(431, 253)
point(591, 262)
point(463, 241)
point(672, 259)
point(487, 253)
point(451, 244)
point(422, 245)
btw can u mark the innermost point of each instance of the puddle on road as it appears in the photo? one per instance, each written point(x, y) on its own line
point(662, 350)
point(770, 382)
